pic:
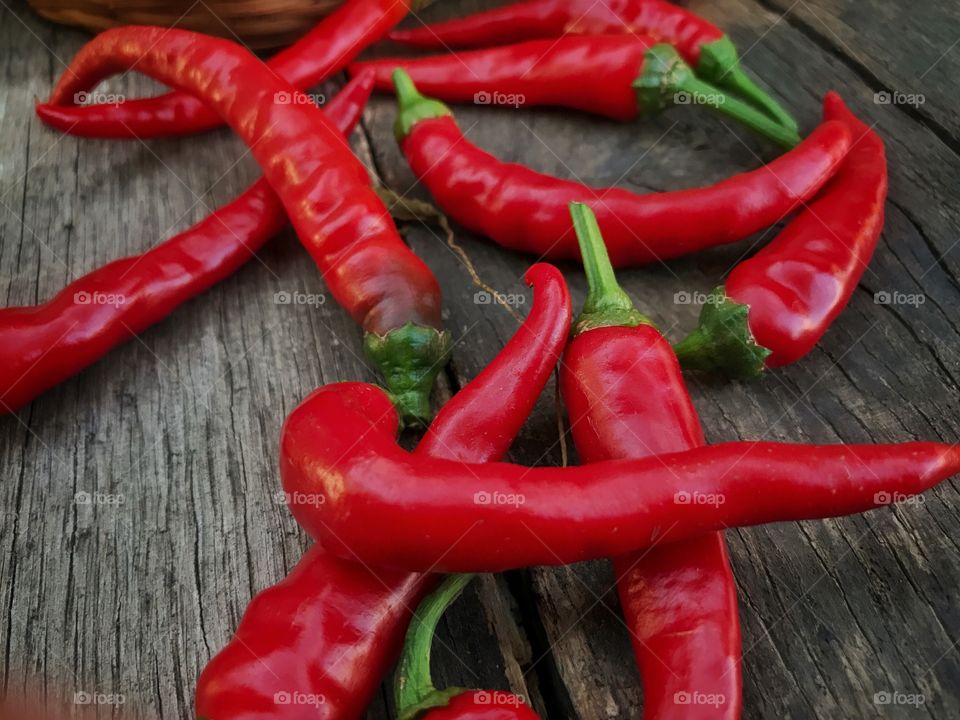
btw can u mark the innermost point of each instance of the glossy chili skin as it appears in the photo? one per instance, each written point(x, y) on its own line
point(704, 46)
point(333, 627)
point(776, 305)
point(482, 705)
point(322, 52)
point(497, 516)
point(43, 345)
point(626, 398)
point(325, 190)
point(524, 210)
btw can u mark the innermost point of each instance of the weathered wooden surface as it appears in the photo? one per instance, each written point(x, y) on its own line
point(133, 598)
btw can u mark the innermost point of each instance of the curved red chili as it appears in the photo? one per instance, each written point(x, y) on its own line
point(703, 45)
point(43, 345)
point(524, 210)
point(415, 696)
point(777, 305)
point(379, 499)
point(325, 190)
point(332, 627)
point(626, 398)
point(322, 52)
point(617, 76)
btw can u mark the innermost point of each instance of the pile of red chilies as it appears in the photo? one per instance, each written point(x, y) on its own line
point(650, 494)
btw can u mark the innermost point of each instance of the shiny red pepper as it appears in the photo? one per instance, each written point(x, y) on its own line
point(626, 398)
point(524, 210)
point(393, 509)
point(322, 52)
point(415, 695)
point(332, 627)
point(43, 345)
point(617, 76)
point(703, 45)
point(325, 190)
point(775, 306)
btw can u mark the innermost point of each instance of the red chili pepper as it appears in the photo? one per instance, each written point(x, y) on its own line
point(777, 305)
point(626, 398)
point(415, 695)
point(703, 45)
point(332, 627)
point(43, 345)
point(617, 76)
point(393, 509)
point(524, 210)
point(322, 52)
point(325, 190)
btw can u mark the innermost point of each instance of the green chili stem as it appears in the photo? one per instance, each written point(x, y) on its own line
point(412, 106)
point(737, 81)
point(414, 686)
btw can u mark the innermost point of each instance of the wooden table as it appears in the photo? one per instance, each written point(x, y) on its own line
point(182, 424)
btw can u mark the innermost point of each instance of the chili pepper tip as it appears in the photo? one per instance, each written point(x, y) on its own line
point(412, 106)
point(722, 341)
point(607, 303)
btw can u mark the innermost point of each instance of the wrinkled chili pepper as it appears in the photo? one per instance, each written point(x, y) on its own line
point(325, 190)
point(332, 627)
point(617, 76)
point(524, 210)
point(322, 52)
point(393, 509)
point(704, 46)
point(776, 305)
point(43, 345)
point(626, 398)
point(415, 695)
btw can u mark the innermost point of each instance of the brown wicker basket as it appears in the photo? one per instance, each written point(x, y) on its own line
point(260, 24)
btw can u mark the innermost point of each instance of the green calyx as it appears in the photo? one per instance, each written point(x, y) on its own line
point(719, 64)
point(667, 80)
point(410, 358)
point(607, 304)
point(413, 688)
point(412, 107)
point(722, 341)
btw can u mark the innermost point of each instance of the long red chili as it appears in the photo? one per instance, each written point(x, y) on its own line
point(332, 627)
point(618, 76)
point(703, 45)
point(775, 306)
point(43, 345)
point(325, 190)
point(626, 398)
point(415, 696)
point(325, 50)
point(524, 210)
point(393, 509)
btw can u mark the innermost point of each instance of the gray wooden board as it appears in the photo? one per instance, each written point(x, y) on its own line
point(183, 422)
